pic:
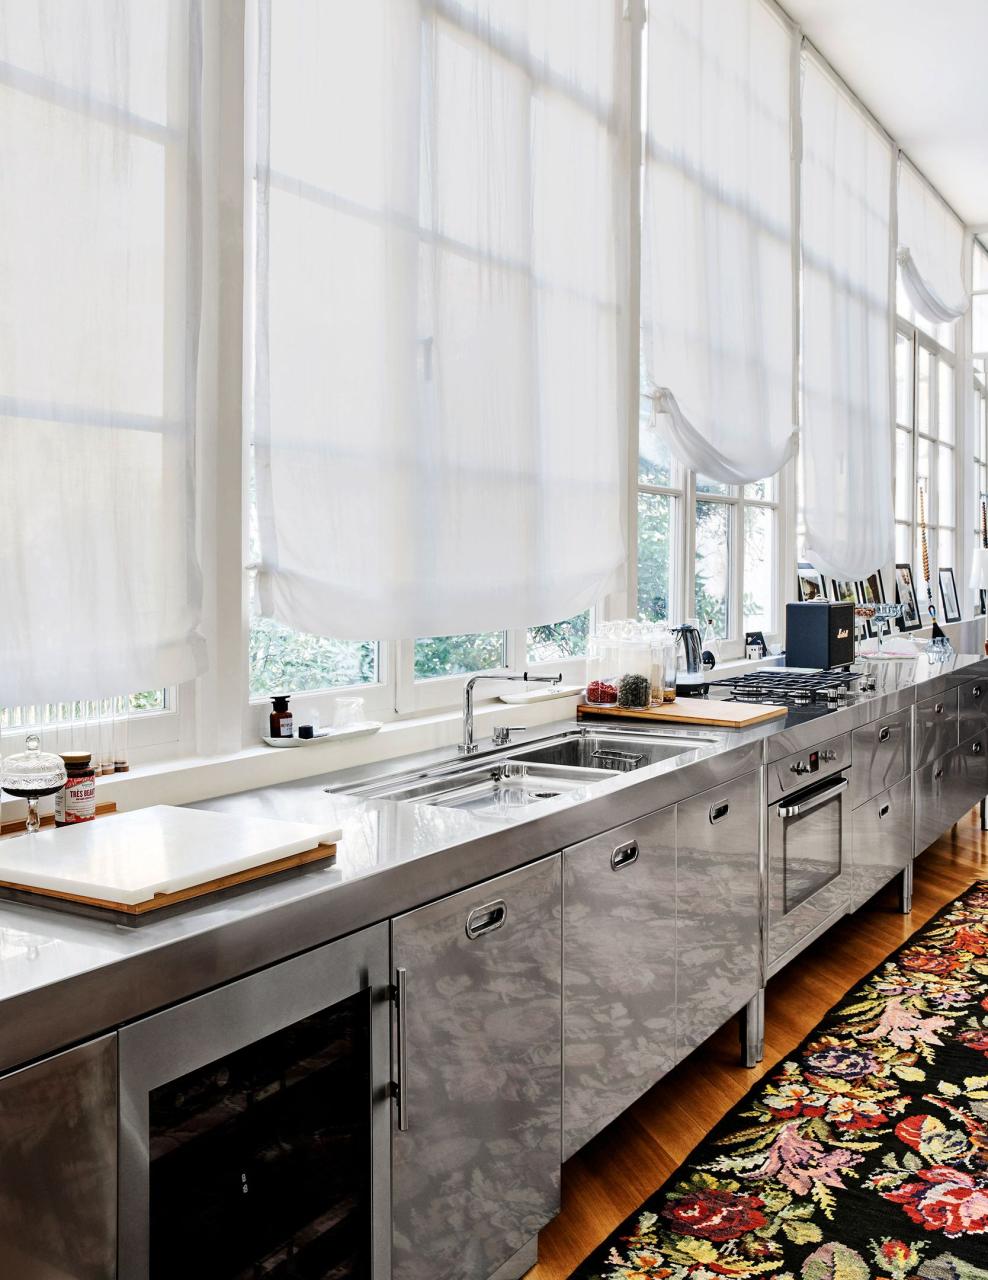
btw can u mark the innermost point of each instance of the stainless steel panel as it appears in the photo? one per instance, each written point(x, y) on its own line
point(972, 708)
point(718, 967)
point(881, 756)
point(796, 771)
point(190, 1035)
point(935, 728)
point(476, 1174)
point(619, 971)
point(881, 840)
point(967, 777)
point(58, 1177)
point(931, 790)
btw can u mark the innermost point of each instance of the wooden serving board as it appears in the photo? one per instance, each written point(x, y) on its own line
point(714, 714)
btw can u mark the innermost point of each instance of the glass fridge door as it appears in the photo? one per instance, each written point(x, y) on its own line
point(254, 1125)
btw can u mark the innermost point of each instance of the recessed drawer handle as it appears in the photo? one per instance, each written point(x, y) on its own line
point(976, 691)
point(486, 919)
point(884, 734)
point(938, 774)
point(977, 748)
point(938, 708)
point(624, 855)
point(719, 811)
point(884, 811)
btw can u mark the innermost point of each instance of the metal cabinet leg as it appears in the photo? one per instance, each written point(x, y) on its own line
point(906, 890)
point(984, 813)
point(751, 1022)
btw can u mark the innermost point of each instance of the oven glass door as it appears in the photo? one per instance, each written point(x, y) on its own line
point(260, 1160)
point(812, 836)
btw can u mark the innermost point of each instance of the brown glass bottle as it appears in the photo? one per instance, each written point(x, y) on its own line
point(281, 717)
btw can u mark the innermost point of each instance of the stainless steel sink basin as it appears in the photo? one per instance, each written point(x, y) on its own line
point(620, 752)
point(502, 781)
point(497, 787)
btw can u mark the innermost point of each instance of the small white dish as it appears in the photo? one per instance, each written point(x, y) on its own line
point(544, 694)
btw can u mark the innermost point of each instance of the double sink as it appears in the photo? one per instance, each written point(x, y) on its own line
point(501, 783)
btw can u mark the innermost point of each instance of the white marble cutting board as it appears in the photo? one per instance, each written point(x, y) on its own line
point(130, 857)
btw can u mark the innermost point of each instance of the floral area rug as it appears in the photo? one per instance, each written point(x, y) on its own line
point(863, 1157)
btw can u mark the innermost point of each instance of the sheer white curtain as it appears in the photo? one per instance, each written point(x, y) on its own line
point(99, 304)
point(845, 456)
point(441, 213)
point(931, 250)
point(717, 309)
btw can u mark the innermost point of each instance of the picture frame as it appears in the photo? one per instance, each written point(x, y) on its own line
point(810, 584)
point(871, 590)
point(905, 594)
point(755, 638)
point(844, 591)
point(948, 595)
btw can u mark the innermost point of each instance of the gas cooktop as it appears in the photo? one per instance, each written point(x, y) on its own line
point(792, 687)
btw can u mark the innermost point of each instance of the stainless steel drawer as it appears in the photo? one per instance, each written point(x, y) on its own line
point(881, 840)
point(717, 908)
point(619, 1001)
point(880, 756)
point(972, 709)
point(935, 728)
point(946, 789)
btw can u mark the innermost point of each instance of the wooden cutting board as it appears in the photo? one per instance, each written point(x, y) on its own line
point(714, 714)
point(156, 856)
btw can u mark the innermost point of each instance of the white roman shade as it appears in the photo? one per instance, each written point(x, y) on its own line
point(931, 250)
point(717, 306)
point(442, 214)
point(99, 315)
point(845, 457)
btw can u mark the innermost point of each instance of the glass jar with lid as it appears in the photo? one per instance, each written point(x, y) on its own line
point(602, 676)
point(665, 652)
point(635, 667)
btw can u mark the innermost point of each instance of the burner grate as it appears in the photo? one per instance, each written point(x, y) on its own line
point(784, 688)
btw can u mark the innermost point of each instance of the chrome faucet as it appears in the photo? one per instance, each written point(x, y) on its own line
point(468, 747)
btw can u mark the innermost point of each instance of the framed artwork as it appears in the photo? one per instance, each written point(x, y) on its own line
point(845, 592)
point(871, 590)
point(810, 583)
point(948, 595)
point(905, 594)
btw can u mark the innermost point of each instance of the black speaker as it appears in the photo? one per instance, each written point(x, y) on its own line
point(819, 634)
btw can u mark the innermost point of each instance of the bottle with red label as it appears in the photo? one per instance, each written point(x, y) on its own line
point(76, 802)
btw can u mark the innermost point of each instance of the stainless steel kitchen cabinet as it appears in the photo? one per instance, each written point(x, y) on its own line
point(476, 1148)
point(972, 710)
point(946, 789)
point(718, 898)
point(881, 756)
point(619, 971)
point(881, 840)
point(58, 1166)
point(935, 728)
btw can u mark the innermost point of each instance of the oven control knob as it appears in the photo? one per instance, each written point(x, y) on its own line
point(799, 767)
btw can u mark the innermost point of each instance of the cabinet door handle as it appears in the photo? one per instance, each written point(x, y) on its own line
point(719, 811)
point(624, 855)
point(884, 734)
point(976, 691)
point(938, 708)
point(977, 748)
point(883, 811)
point(486, 919)
point(401, 1049)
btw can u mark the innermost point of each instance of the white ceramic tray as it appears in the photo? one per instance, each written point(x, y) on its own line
point(543, 694)
point(361, 730)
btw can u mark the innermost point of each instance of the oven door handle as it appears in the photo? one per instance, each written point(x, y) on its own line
point(812, 802)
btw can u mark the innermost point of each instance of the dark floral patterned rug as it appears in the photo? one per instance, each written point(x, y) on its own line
point(863, 1157)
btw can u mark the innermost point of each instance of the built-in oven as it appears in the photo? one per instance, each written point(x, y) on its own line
point(808, 837)
point(254, 1125)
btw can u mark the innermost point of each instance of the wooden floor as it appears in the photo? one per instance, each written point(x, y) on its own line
point(615, 1172)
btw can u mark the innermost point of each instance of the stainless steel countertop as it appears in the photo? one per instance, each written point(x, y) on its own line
point(65, 978)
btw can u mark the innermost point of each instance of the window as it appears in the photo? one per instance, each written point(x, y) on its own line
point(722, 562)
point(925, 443)
point(979, 471)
